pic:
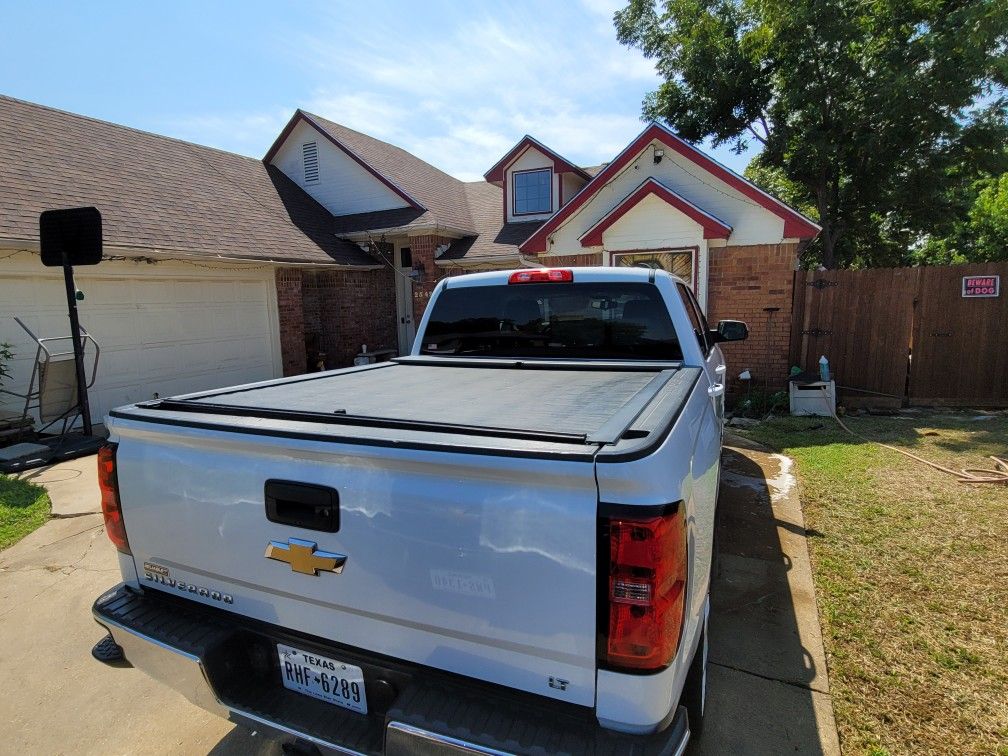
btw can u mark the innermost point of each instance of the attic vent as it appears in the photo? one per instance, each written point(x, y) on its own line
point(309, 155)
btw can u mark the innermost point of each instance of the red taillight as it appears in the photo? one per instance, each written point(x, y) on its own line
point(108, 484)
point(541, 275)
point(646, 591)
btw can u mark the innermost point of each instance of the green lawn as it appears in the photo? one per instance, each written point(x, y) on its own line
point(23, 508)
point(911, 572)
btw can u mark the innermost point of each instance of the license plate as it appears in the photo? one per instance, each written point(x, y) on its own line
point(323, 678)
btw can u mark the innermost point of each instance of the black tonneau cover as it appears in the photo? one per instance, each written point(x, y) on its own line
point(565, 403)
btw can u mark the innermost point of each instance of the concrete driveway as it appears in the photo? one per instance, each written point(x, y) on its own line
point(768, 691)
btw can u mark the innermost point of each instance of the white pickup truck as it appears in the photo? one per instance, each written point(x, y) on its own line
point(500, 543)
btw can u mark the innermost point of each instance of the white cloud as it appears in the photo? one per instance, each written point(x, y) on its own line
point(457, 85)
point(604, 8)
point(461, 99)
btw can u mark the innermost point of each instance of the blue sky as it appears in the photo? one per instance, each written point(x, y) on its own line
point(457, 83)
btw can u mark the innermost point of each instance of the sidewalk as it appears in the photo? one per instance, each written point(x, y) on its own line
point(768, 691)
point(72, 486)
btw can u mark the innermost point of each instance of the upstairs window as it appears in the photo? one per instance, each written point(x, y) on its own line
point(309, 156)
point(533, 191)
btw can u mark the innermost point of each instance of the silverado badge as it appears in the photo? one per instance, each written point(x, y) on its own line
point(304, 557)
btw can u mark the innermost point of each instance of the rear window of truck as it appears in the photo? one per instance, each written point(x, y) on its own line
point(553, 320)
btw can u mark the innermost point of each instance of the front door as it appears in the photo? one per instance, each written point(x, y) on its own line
point(404, 299)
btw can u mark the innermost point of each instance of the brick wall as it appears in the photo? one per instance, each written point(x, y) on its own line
point(422, 249)
point(588, 259)
point(291, 314)
point(333, 312)
point(745, 284)
point(337, 311)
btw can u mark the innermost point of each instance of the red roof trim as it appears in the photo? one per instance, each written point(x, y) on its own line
point(299, 116)
point(796, 225)
point(713, 228)
point(560, 164)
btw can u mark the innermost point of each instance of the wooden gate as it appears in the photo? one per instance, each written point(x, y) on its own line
point(960, 344)
point(898, 334)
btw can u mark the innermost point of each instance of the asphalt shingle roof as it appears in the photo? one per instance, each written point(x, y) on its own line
point(157, 193)
point(495, 238)
point(177, 198)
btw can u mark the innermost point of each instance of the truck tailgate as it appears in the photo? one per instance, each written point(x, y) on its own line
point(478, 564)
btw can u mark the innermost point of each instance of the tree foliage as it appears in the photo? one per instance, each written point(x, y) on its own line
point(981, 235)
point(879, 116)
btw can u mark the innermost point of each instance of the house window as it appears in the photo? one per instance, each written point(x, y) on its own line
point(309, 156)
point(678, 262)
point(533, 191)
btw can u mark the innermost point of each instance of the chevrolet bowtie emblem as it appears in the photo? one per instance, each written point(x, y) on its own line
point(304, 557)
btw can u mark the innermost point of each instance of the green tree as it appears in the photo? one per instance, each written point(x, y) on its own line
point(980, 235)
point(865, 108)
point(988, 221)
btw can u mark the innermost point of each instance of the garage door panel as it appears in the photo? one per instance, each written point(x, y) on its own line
point(241, 351)
point(252, 319)
point(23, 294)
point(206, 355)
point(154, 292)
point(250, 291)
point(195, 291)
point(113, 330)
point(226, 323)
point(221, 292)
point(118, 366)
point(170, 334)
point(109, 292)
point(161, 325)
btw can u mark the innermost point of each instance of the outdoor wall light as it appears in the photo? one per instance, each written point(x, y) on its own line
point(417, 274)
point(658, 155)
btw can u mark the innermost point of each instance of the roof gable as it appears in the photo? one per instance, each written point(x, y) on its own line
point(440, 196)
point(796, 225)
point(713, 227)
point(302, 117)
point(560, 164)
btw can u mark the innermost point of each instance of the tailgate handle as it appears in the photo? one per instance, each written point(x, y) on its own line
point(303, 505)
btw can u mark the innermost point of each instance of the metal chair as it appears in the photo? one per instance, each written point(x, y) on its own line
point(52, 389)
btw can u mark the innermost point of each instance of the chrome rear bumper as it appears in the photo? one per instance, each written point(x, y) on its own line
point(190, 648)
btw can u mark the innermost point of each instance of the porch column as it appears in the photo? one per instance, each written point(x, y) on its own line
point(422, 249)
point(291, 316)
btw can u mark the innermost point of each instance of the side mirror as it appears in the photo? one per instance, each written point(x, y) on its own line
point(731, 330)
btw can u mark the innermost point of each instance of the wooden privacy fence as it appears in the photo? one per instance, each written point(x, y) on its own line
point(905, 335)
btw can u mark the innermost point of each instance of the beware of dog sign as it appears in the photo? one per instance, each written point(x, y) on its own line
point(981, 286)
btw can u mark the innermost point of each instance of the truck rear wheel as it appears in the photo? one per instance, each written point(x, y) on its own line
point(694, 696)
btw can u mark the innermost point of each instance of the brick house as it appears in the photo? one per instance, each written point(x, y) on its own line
point(660, 202)
point(222, 269)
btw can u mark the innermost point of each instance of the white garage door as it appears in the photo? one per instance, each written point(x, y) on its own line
point(164, 329)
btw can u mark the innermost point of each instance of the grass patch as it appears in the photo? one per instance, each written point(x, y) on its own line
point(23, 508)
point(911, 573)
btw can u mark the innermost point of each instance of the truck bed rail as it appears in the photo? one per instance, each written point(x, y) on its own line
point(558, 403)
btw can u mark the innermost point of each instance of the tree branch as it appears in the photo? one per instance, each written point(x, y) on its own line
point(755, 134)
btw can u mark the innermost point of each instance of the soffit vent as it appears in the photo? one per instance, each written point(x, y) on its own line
point(309, 155)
